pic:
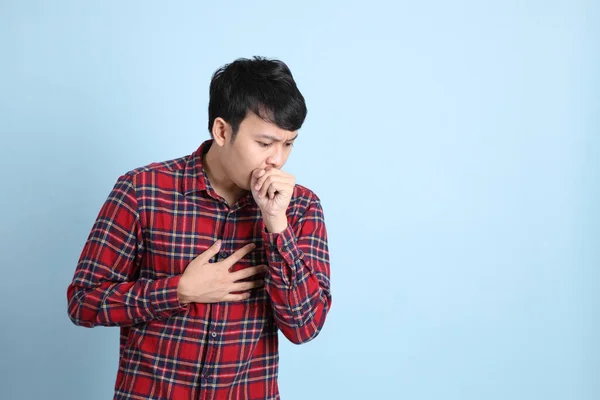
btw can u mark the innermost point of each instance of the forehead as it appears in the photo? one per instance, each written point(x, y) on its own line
point(256, 127)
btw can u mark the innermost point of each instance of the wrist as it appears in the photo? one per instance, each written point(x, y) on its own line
point(276, 224)
point(183, 299)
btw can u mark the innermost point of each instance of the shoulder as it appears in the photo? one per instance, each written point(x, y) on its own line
point(168, 168)
point(302, 193)
point(304, 202)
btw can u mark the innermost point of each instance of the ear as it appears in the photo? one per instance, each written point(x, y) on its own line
point(221, 131)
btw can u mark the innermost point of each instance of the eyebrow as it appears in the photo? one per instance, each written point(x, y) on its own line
point(273, 138)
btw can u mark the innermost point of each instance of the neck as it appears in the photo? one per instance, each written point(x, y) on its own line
point(218, 178)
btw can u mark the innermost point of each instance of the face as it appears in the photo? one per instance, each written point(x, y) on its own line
point(258, 144)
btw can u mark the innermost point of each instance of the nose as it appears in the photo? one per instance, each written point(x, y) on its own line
point(275, 160)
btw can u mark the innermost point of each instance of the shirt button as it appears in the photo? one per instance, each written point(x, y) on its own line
point(214, 334)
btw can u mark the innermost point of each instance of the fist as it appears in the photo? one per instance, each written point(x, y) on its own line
point(272, 190)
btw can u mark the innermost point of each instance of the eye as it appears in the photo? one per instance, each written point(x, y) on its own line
point(290, 144)
point(264, 144)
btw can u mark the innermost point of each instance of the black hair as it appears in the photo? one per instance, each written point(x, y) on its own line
point(259, 85)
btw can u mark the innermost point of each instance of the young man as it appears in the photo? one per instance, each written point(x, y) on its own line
point(201, 259)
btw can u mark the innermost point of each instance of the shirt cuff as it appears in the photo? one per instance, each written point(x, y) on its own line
point(163, 296)
point(283, 252)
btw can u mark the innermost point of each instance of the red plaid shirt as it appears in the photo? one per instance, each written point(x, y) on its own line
point(155, 221)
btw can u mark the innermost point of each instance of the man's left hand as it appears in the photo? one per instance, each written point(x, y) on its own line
point(272, 190)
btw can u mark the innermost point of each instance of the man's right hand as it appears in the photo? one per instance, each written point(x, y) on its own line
point(204, 282)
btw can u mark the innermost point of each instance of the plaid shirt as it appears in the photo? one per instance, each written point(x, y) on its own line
point(155, 221)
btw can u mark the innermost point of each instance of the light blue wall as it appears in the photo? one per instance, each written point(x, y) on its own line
point(454, 145)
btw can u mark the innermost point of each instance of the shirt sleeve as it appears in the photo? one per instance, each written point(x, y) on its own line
point(106, 289)
point(298, 278)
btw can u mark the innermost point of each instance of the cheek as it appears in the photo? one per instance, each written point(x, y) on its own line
point(248, 162)
point(244, 166)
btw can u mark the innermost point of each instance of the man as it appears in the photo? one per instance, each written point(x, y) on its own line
point(201, 259)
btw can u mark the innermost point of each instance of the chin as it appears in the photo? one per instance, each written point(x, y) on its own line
point(245, 185)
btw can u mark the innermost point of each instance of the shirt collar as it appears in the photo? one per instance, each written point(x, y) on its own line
point(194, 176)
point(196, 180)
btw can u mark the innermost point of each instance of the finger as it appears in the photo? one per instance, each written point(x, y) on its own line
point(260, 180)
point(272, 190)
point(270, 182)
point(239, 254)
point(237, 297)
point(243, 286)
point(265, 186)
point(256, 175)
point(268, 172)
point(248, 272)
point(211, 251)
point(282, 185)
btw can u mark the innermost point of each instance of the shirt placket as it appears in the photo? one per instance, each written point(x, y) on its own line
point(218, 311)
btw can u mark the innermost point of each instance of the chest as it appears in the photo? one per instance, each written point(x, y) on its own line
point(176, 232)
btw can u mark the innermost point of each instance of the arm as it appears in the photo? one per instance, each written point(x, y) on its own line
point(106, 289)
point(298, 278)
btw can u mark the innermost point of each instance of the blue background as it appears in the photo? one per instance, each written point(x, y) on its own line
point(455, 147)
